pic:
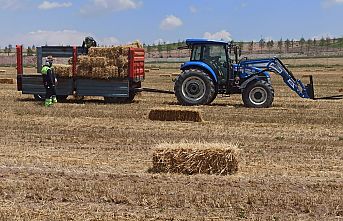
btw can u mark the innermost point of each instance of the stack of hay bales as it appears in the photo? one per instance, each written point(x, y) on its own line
point(196, 158)
point(101, 63)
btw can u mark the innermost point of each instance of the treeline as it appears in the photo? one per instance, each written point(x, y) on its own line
point(30, 50)
point(267, 46)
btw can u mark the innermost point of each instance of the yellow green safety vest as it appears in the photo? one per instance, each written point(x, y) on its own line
point(45, 70)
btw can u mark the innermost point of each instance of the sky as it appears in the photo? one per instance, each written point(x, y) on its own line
point(66, 22)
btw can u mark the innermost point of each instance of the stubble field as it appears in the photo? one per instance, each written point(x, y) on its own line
point(90, 161)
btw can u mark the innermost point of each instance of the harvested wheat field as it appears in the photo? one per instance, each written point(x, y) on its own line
point(90, 161)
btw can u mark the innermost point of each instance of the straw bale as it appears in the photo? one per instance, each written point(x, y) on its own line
point(111, 52)
point(104, 73)
point(7, 81)
point(196, 158)
point(86, 61)
point(175, 115)
point(63, 70)
point(84, 72)
point(147, 70)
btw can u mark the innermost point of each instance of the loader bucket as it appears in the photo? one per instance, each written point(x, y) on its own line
point(310, 91)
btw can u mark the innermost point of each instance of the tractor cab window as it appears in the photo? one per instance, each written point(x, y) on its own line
point(216, 57)
point(196, 53)
point(215, 53)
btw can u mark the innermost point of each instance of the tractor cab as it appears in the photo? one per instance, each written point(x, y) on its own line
point(213, 56)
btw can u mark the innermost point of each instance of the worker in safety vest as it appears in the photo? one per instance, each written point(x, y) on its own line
point(49, 81)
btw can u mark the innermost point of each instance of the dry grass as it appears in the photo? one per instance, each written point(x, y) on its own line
point(89, 161)
point(173, 114)
point(195, 158)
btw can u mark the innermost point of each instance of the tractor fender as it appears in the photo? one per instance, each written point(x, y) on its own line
point(254, 78)
point(201, 65)
point(245, 83)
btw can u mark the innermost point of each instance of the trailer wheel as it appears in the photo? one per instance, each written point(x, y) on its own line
point(258, 94)
point(39, 97)
point(119, 100)
point(194, 87)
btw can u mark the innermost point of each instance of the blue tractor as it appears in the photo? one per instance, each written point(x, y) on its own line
point(212, 71)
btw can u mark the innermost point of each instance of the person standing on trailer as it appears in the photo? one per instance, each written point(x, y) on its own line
point(49, 80)
point(87, 44)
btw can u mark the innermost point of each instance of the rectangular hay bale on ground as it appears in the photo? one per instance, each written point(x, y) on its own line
point(63, 70)
point(7, 81)
point(175, 115)
point(196, 158)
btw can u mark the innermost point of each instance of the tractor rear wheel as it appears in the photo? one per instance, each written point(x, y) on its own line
point(194, 87)
point(258, 94)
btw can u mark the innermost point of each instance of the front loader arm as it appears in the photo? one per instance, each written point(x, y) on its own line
point(275, 65)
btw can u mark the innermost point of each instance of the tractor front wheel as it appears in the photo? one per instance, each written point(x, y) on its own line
point(258, 94)
point(194, 87)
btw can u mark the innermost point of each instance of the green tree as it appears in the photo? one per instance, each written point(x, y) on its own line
point(29, 51)
point(262, 43)
point(148, 49)
point(241, 44)
point(328, 42)
point(168, 48)
point(270, 45)
point(322, 43)
point(6, 50)
point(302, 43)
point(340, 43)
point(280, 45)
point(309, 43)
point(251, 46)
point(287, 44)
point(160, 48)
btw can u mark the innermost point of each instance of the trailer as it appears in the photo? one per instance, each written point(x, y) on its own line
point(113, 90)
